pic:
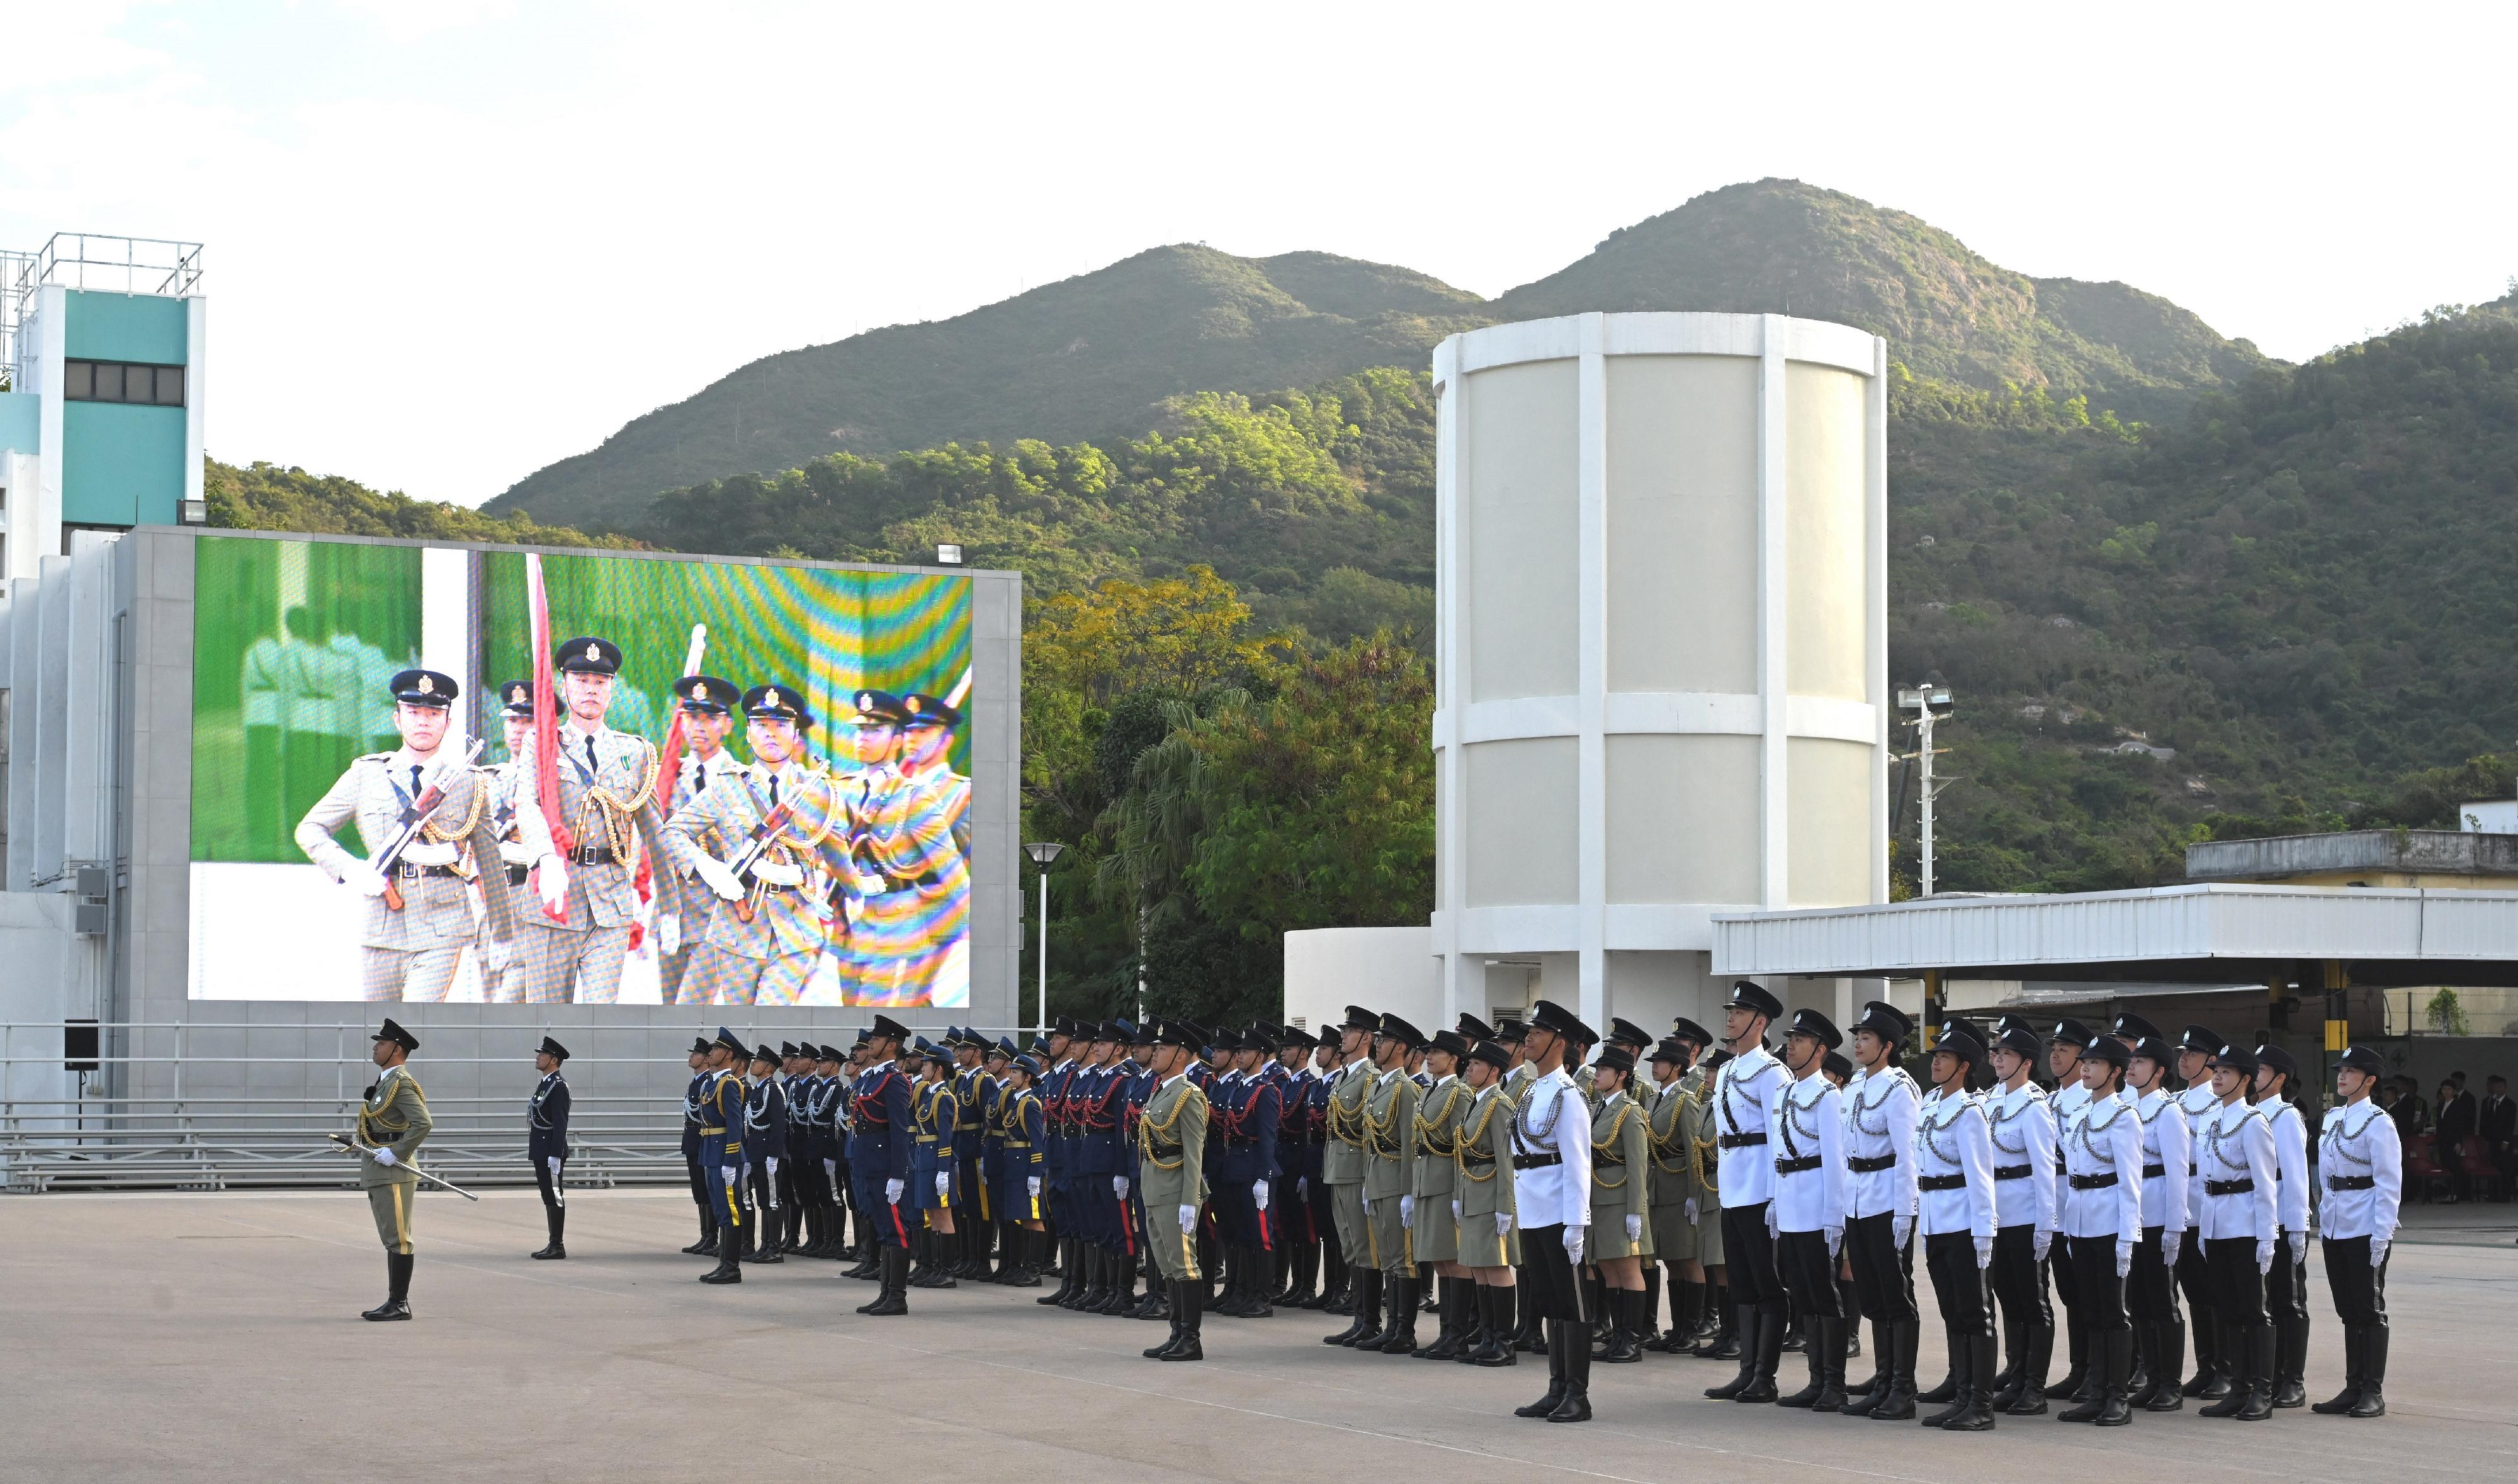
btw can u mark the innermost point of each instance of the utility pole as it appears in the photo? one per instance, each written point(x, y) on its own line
point(1042, 853)
point(1929, 703)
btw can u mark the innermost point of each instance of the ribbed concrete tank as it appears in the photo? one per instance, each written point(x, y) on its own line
point(1663, 649)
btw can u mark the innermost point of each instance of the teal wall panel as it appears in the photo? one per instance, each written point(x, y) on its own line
point(125, 327)
point(121, 465)
point(21, 423)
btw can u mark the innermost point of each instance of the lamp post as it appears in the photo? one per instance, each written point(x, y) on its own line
point(1929, 702)
point(1042, 852)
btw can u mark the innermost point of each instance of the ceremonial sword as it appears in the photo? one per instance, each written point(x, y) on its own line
point(344, 1141)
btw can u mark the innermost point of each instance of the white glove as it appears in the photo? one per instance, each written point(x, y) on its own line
point(1984, 1253)
point(2171, 1243)
point(1574, 1243)
point(2045, 1243)
point(2124, 1257)
point(1407, 1212)
point(720, 878)
point(943, 1185)
point(2264, 1255)
point(2299, 1247)
point(1302, 1187)
point(1899, 1229)
point(1455, 1210)
point(891, 1190)
point(550, 881)
point(1691, 1210)
point(2378, 1251)
point(1187, 1218)
point(1634, 1227)
point(1835, 1241)
point(1503, 1223)
point(1119, 1186)
point(1368, 1207)
point(1032, 1186)
point(364, 878)
point(1259, 1194)
point(385, 1157)
point(1772, 1230)
point(668, 933)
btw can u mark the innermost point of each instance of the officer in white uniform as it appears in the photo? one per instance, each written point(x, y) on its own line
point(2102, 1145)
point(1551, 1191)
point(1805, 1135)
point(1953, 1148)
point(1745, 1175)
point(2361, 1164)
point(2167, 1173)
point(2233, 1149)
point(2211, 1379)
point(2287, 1282)
point(2063, 1064)
point(1881, 1107)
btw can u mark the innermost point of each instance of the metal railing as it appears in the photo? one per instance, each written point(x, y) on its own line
point(175, 1136)
point(91, 260)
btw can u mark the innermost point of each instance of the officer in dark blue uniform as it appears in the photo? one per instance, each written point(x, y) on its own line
point(1137, 1085)
point(879, 1144)
point(765, 1154)
point(975, 1205)
point(701, 1196)
point(1245, 1187)
point(932, 1112)
point(1298, 1239)
point(823, 1237)
point(1058, 1060)
point(1021, 1168)
point(721, 1149)
point(1003, 1231)
point(800, 1172)
point(546, 1141)
point(1099, 1175)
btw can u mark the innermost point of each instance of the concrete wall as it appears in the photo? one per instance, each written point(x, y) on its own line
point(1388, 969)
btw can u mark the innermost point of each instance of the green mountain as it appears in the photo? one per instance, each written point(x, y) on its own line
point(1095, 358)
point(1088, 358)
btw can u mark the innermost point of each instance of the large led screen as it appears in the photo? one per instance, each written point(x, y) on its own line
point(756, 788)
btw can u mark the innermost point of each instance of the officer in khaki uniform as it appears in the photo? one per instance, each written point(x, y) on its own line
point(1621, 1240)
point(763, 944)
point(1674, 1143)
point(684, 904)
point(1171, 1151)
point(393, 1122)
point(607, 804)
point(1342, 1164)
point(508, 873)
point(417, 921)
point(1389, 1174)
point(1481, 1190)
point(1433, 1230)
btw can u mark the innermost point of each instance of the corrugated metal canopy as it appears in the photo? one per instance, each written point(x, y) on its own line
point(2200, 934)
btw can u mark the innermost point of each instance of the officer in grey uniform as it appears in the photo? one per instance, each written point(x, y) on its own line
point(607, 804)
point(763, 944)
point(684, 902)
point(417, 921)
point(515, 863)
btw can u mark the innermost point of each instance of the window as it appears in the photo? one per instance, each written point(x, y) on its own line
point(124, 381)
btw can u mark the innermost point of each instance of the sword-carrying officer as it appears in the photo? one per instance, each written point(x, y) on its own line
point(1299, 1236)
point(765, 1151)
point(998, 1059)
point(1169, 1138)
point(721, 1112)
point(1101, 1176)
point(933, 1169)
point(1062, 1047)
point(702, 1171)
point(802, 1170)
point(1021, 1170)
point(975, 1211)
point(1249, 1179)
point(879, 1145)
point(546, 1142)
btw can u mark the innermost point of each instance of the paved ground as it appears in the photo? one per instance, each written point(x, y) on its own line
point(213, 1338)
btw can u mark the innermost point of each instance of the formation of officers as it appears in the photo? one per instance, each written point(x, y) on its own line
point(762, 869)
point(1535, 1189)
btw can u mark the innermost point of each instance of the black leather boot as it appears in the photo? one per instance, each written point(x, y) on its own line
point(1625, 1319)
point(768, 1225)
point(2373, 1373)
point(1884, 1357)
point(1091, 1287)
point(397, 1304)
point(1156, 1352)
point(2102, 1379)
point(1188, 1302)
point(2341, 1402)
point(1768, 1355)
point(2211, 1377)
point(1746, 1320)
point(1366, 1282)
point(1122, 1296)
point(2117, 1385)
point(705, 1246)
point(894, 1297)
point(2259, 1404)
point(2290, 1361)
point(1255, 1294)
point(729, 1257)
point(1576, 1405)
point(2076, 1382)
point(2032, 1375)
point(1823, 1347)
point(1401, 1337)
point(2167, 1367)
point(1560, 1341)
point(555, 1220)
point(1723, 1342)
point(1496, 1302)
point(1975, 1406)
point(1067, 1277)
point(2230, 1346)
point(1961, 1378)
point(1648, 1316)
point(1831, 1396)
point(1896, 1404)
point(1449, 1322)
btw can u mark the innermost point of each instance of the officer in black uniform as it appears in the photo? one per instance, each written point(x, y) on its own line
point(703, 1194)
point(765, 1157)
point(546, 1141)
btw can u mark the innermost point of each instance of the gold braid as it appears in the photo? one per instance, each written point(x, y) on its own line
point(1146, 1128)
point(1662, 1144)
point(1472, 1135)
point(1616, 1126)
point(1429, 1125)
point(615, 812)
point(480, 801)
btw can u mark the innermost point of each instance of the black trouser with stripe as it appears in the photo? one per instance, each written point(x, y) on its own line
point(1962, 1288)
point(1883, 1273)
point(2359, 1290)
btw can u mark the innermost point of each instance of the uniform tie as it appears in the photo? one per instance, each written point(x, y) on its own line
point(414, 783)
point(773, 791)
point(591, 766)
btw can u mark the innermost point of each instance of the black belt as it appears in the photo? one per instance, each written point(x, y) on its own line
point(517, 874)
point(1807, 1162)
point(1536, 1161)
point(1863, 1165)
point(2094, 1182)
point(2154, 1171)
point(1608, 1164)
point(2240, 1187)
point(1479, 1164)
point(891, 883)
point(2011, 1171)
point(412, 872)
point(590, 854)
point(1740, 1141)
point(2352, 1182)
point(1941, 1182)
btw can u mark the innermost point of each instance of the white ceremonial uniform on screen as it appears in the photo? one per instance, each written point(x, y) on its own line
point(607, 800)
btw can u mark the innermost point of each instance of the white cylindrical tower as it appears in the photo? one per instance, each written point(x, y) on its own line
point(1663, 649)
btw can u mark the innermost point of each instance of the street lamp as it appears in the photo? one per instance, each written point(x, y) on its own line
point(1042, 852)
point(1929, 702)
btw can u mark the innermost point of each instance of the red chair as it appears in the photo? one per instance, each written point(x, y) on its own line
point(2421, 1170)
point(2474, 1162)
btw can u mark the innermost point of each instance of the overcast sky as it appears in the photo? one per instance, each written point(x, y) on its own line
point(445, 251)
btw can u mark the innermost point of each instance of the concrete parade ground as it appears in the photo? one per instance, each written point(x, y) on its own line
point(216, 1337)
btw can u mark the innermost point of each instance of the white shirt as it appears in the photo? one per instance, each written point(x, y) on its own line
point(1952, 1138)
point(1880, 1116)
point(2066, 1100)
point(1804, 1122)
point(2360, 1143)
point(2023, 1121)
point(2198, 1103)
point(2168, 1145)
point(2103, 1140)
point(1555, 1119)
point(2290, 1163)
point(1745, 1172)
point(2236, 1144)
